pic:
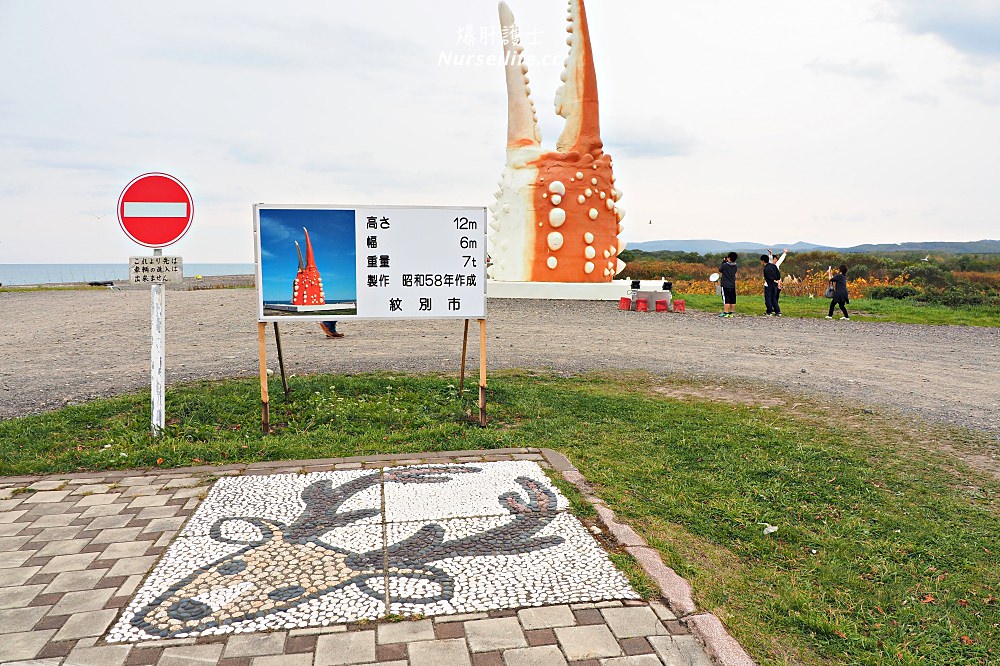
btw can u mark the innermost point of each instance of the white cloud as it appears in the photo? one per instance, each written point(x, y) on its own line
point(740, 119)
point(969, 26)
point(873, 72)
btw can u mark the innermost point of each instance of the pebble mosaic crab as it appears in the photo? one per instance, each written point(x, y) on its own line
point(280, 566)
point(556, 217)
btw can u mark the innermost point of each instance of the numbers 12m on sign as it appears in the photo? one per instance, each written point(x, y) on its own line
point(155, 210)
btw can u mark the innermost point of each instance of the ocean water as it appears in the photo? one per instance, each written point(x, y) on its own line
point(22, 274)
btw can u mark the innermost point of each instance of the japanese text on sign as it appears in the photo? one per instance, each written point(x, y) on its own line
point(422, 263)
point(156, 270)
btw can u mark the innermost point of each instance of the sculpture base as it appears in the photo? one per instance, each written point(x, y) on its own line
point(559, 291)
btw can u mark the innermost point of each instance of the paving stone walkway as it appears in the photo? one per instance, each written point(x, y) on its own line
point(77, 553)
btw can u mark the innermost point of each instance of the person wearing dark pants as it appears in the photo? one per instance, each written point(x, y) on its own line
point(330, 328)
point(771, 277)
point(728, 281)
point(840, 294)
point(776, 260)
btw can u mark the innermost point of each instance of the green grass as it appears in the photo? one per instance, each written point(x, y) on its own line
point(862, 309)
point(886, 552)
point(67, 287)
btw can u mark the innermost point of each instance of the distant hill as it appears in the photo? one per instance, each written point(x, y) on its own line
point(715, 246)
point(705, 246)
point(969, 247)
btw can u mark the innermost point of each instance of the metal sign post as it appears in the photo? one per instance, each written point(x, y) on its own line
point(157, 271)
point(157, 357)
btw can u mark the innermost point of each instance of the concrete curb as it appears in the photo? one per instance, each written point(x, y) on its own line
point(706, 627)
point(722, 647)
point(270, 466)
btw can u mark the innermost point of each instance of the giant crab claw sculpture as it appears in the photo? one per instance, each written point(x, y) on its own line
point(307, 289)
point(556, 217)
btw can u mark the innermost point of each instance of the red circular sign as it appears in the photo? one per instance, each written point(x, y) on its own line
point(155, 210)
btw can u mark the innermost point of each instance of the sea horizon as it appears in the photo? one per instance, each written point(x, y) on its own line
point(40, 274)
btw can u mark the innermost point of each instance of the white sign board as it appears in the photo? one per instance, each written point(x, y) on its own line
point(155, 270)
point(370, 262)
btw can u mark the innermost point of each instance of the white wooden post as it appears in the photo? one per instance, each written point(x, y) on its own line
point(157, 356)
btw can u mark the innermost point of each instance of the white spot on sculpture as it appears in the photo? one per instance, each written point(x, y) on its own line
point(555, 241)
point(581, 199)
point(556, 199)
point(557, 216)
point(588, 267)
point(588, 237)
point(556, 187)
point(552, 262)
point(593, 213)
point(589, 252)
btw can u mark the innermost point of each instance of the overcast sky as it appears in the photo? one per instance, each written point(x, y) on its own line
point(834, 121)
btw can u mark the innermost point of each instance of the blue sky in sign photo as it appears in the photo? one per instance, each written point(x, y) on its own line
point(833, 122)
point(331, 233)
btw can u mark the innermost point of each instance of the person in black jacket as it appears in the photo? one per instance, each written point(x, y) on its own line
point(840, 294)
point(728, 281)
point(771, 277)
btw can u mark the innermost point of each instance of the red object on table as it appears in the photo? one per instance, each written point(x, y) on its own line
point(661, 306)
point(625, 303)
point(679, 306)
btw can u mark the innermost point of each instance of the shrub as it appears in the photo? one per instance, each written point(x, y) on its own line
point(929, 275)
point(893, 291)
point(963, 294)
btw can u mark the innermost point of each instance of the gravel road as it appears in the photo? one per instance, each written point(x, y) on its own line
point(64, 347)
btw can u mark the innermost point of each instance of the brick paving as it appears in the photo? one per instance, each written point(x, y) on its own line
point(75, 548)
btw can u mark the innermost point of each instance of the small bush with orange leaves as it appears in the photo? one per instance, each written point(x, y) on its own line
point(671, 270)
point(812, 283)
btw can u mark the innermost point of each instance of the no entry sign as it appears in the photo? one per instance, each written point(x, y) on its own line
point(155, 210)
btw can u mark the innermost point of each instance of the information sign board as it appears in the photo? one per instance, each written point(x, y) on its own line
point(155, 270)
point(370, 262)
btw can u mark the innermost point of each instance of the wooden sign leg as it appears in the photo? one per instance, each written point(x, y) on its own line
point(465, 345)
point(482, 373)
point(265, 407)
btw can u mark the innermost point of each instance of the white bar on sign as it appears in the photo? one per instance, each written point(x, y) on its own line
point(156, 209)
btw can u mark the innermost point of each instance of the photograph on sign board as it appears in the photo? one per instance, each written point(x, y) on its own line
point(307, 262)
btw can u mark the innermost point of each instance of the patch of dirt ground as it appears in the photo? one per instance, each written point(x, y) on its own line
point(65, 347)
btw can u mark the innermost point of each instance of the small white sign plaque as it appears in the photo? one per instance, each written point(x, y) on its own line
point(156, 270)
